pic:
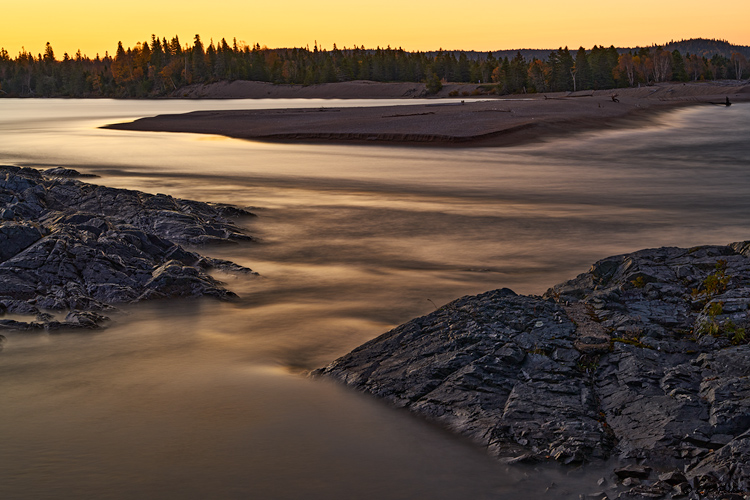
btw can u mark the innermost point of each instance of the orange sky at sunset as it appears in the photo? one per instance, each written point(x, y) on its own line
point(95, 26)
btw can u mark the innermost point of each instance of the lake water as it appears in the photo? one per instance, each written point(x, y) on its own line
point(210, 400)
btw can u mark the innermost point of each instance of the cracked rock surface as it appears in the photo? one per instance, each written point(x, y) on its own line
point(77, 248)
point(643, 359)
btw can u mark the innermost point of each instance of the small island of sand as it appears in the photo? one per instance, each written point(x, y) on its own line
point(483, 121)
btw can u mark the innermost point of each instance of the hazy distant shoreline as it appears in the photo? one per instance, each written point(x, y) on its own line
point(494, 121)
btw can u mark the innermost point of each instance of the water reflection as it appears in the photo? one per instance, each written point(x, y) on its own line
point(182, 412)
point(204, 399)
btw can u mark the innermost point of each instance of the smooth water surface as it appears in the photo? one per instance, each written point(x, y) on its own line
point(209, 400)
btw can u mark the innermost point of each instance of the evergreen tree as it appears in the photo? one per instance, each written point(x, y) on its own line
point(160, 66)
point(679, 73)
point(198, 68)
point(433, 83)
point(462, 69)
point(518, 76)
point(584, 76)
point(157, 52)
point(49, 54)
point(560, 65)
point(602, 65)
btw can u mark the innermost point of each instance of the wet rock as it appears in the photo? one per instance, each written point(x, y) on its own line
point(731, 464)
point(659, 489)
point(631, 481)
point(64, 172)
point(633, 471)
point(85, 319)
point(79, 248)
point(180, 221)
point(490, 377)
point(674, 388)
point(644, 357)
point(673, 477)
point(705, 483)
point(598, 495)
point(526, 458)
point(13, 325)
point(15, 237)
point(681, 490)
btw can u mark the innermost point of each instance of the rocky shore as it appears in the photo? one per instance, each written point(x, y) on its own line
point(643, 361)
point(70, 251)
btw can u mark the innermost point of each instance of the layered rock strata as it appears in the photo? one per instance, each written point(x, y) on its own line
point(644, 358)
point(76, 249)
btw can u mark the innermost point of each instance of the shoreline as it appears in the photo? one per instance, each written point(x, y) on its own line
point(586, 375)
point(506, 121)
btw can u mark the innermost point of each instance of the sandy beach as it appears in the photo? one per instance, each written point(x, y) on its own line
point(356, 89)
point(491, 121)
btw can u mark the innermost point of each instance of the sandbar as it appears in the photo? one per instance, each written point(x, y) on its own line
point(484, 121)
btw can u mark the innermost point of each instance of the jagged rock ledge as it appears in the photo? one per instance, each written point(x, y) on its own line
point(643, 359)
point(73, 248)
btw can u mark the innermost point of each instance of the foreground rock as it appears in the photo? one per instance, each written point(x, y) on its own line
point(76, 248)
point(644, 359)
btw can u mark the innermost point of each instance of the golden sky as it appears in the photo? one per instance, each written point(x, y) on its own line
point(94, 26)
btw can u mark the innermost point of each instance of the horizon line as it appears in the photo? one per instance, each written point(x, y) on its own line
point(378, 47)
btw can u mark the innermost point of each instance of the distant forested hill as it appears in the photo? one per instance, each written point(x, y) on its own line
point(704, 47)
point(160, 67)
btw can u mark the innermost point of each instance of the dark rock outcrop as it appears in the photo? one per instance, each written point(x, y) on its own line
point(76, 248)
point(643, 359)
point(500, 368)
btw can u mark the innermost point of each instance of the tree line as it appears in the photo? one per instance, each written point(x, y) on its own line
point(160, 67)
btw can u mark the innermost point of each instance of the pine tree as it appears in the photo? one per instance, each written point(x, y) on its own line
point(584, 76)
point(679, 73)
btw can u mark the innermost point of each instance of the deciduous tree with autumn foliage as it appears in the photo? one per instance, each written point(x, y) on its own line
point(158, 67)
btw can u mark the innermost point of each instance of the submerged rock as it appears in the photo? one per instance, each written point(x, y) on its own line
point(69, 246)
point(643, 359)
